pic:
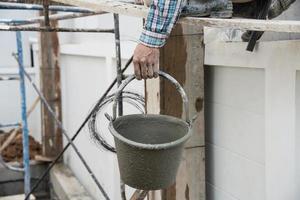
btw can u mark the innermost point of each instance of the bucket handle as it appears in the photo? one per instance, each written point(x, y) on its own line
point(164, 75)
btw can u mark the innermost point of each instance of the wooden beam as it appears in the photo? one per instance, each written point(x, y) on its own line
point(122, 8)
point(50, 87)
point(183, 57)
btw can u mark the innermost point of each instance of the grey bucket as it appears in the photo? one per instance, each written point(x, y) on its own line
point(149, 147)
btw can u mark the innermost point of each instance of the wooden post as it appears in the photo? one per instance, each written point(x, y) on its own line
point(50, 87)
point(182, 57)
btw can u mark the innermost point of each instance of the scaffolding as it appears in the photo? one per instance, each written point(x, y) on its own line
point(20, 25)
point(81, 8)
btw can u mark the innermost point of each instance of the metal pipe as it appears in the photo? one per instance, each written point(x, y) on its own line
point(119, 82)
point(23, 6)
point(63, 16)
point(9, 125)
point(118, 60)
point(46, 13)
point(51, 29)
point(26, 158)
point(78, 130)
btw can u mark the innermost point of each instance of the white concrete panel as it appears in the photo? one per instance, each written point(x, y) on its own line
point(235, 175)
point(280, 132)
point(242, 88)
point(297, 133)
point(213, 193)
point(236, 130)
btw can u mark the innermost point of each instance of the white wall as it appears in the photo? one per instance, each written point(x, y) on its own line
point(298, 130)
point(86, 72)
point(130, 28)
point(235, 133)
point(10, 106)
point(8, 39)
point(252, 110)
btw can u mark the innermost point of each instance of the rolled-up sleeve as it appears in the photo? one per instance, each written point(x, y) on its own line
point(162, 16)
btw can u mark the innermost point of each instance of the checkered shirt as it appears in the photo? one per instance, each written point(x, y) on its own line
point(162, 16)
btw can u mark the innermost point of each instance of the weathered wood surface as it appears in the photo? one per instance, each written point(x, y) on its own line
point(182, 57)
point(50, 87)
point(288, 26)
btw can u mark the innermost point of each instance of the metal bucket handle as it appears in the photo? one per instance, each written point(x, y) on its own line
point(164, 75)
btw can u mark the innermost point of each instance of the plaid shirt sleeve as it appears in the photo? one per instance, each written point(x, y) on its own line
point(160, 21)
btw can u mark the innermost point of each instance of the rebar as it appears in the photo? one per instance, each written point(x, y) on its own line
point(118, 59)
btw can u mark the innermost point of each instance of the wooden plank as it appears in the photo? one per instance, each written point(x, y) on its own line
point(65, 184)
point(161, 97)
point(122, 8)
point(17, 197)
point(191, 175)
point(222, 54)
point(183, 58)
point(50, 87)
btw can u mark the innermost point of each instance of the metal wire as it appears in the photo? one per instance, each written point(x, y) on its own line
point(131, 98)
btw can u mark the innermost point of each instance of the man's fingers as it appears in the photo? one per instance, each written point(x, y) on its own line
point(155, 70)
point(145, 62)
point(137, 69)
point(144, 67)
point(150, 71)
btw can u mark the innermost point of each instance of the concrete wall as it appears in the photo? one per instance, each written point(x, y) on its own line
point(250, 116)
point(298, 130)
point(252, 110)
point(235, 133)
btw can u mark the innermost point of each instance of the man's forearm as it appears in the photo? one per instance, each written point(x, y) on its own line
point(162, 16)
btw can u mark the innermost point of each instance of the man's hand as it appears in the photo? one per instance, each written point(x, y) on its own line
point(145, 61)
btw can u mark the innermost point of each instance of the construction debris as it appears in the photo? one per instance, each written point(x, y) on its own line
point(14, 152)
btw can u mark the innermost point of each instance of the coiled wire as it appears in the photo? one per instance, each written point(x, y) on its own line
point(132, 98)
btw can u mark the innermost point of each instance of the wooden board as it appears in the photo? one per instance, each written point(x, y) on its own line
point(162, 98)
point(50, 87)
point(288, 26)
point(17, 197)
